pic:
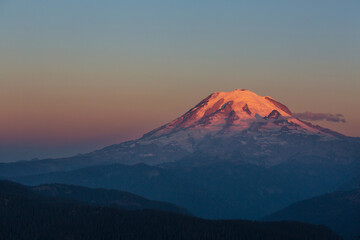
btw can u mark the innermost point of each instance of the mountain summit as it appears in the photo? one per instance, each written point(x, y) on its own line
point(234, 112)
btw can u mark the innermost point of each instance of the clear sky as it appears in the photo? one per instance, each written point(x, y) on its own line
point(79, 75)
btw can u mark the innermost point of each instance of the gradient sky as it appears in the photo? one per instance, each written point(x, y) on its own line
point(79, 75)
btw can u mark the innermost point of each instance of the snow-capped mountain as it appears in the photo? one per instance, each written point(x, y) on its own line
point(238, 125)
point(233, 113)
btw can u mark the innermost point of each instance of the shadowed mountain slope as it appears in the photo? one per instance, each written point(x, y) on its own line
point(339, 211)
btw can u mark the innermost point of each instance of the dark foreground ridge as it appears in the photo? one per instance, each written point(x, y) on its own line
point(106, 197)
point(339, 211)
point(28, 215)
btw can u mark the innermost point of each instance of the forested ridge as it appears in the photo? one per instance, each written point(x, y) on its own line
point(25, 215)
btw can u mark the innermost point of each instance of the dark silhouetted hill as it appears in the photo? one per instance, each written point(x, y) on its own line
point(28, 215)
point(339, 211)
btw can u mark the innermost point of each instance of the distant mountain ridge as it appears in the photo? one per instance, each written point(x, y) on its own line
point(148, 181)
point(218, 191)
point(27, 215)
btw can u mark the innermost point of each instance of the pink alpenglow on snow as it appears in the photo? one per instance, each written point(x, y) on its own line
point(233, 112)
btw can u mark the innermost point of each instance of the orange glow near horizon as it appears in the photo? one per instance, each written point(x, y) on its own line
point(74, 73)
point(54, 114)
point(76, 115)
